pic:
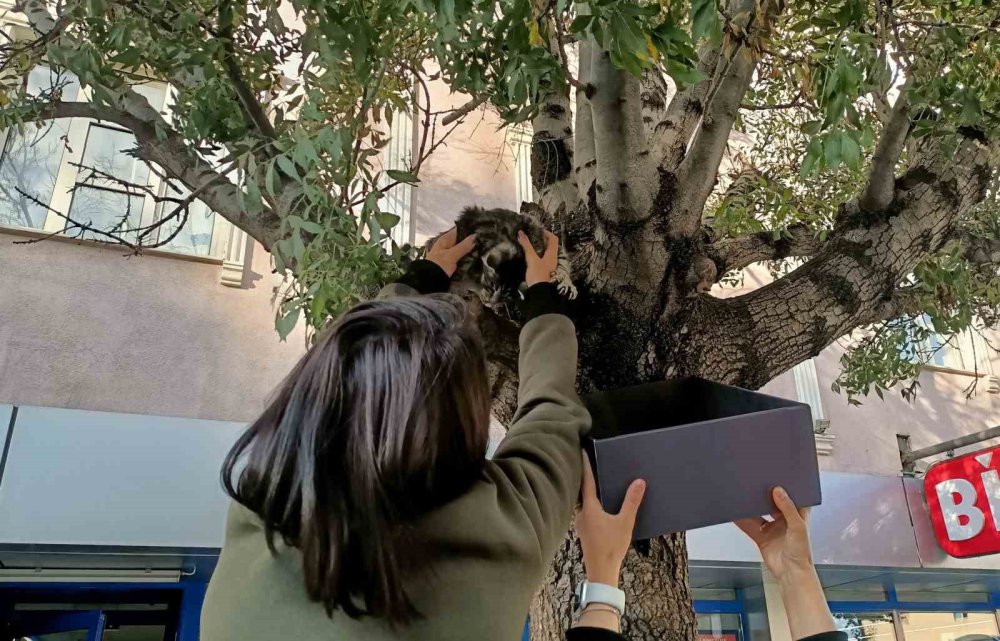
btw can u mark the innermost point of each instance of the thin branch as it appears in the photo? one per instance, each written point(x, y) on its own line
point(881, 179)
point(463, 111)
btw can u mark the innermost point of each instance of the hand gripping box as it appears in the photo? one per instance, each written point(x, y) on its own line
point(709, 453)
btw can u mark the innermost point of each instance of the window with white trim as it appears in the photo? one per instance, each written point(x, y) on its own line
point(78, 167)
point(520, 144)
point(398, 154)
point(807, 391)
point(966, 351)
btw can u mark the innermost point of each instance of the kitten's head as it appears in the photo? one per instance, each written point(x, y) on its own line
point(498, 251)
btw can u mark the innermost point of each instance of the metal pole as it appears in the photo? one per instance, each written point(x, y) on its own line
point(953, 444)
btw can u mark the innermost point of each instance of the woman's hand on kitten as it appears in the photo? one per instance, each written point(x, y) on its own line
point(541, 269)
point(445, 253)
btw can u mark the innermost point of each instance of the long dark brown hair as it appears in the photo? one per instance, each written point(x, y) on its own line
point(385, 418)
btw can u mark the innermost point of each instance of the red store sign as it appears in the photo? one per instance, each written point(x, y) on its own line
point(963, 495)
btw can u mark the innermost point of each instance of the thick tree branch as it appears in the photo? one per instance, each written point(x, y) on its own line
point(625, 184)
point(684, 112)
point(879, 191)
point(179, 161)
point(552, 154)
point(852, 281)
point(731, 254)
point(698, 172)
point(585, 161)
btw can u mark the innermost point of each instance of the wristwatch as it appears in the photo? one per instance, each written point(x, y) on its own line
point(587, 593)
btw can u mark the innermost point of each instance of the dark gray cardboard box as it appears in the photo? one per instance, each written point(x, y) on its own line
point(709, 453)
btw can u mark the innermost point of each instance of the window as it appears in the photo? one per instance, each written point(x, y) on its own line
point(84, 169)
point(949, 626)
point(520, 143)
point(870, 626)
point(30, 160)
point(719, 627)
point(398, 154)
point(807, 391)
point(966, 351)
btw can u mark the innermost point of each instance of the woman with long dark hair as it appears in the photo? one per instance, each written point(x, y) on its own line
point(363, 503)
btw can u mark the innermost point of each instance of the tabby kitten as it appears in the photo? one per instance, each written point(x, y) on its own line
point(495, 269)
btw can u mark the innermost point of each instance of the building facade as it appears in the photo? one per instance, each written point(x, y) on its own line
point(124, 381)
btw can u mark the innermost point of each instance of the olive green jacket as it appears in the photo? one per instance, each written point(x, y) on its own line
point(488, 549)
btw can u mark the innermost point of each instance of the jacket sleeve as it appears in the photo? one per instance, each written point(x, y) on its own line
point(593, 634)
point(422, 277)
point(602, 634)
point(538, 463)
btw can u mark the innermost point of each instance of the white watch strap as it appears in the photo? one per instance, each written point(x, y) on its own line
point(601, 593)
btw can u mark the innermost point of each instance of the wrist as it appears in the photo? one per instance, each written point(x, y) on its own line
point(605, 576)
point(798, 574)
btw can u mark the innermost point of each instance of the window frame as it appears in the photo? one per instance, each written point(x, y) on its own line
point(228, 243)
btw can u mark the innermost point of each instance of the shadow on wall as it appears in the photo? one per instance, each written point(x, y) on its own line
point(439, 201)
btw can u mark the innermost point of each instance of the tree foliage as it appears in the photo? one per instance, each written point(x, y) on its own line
point(850, 145)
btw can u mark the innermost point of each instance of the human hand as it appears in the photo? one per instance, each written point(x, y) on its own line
point(605, 537)
point(784, 548)
point(445, 253)
point(783, 542)
point(541, 269)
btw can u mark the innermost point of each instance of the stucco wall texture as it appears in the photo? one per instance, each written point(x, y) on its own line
point(83, 327)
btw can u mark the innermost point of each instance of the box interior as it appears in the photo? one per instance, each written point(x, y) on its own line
point(671, 403)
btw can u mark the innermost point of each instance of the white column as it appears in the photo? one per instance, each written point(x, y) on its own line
point(807, 388)
point(398, 154)
point(777, 618)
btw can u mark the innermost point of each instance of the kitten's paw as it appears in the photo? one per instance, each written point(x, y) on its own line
point(567, 289)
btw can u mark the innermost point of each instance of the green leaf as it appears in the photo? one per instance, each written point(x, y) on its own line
point(832, 149)
point(850, 151)
point(269, 179)
point(402, 176)
point(288, 167)
point(683, 74)
point(311, 227)
point(580, 23)
point(286, 323)
point(972, 110)
point(811, 127)
point(386, 220)
point(704, 18)
point(813, 154)
point(298, 247)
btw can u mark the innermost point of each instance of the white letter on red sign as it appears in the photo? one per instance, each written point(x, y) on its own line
point(966, 506)
point(991, 482)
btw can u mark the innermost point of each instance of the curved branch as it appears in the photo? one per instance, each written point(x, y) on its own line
point(879, 191)
point(853, 281)
point(698, 171)
point(731, 254)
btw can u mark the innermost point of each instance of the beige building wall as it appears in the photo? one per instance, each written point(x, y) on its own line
point(84, 327)
point(474, 167)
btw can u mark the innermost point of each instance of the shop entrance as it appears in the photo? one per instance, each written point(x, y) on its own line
point(100, 612)
point(925, 616)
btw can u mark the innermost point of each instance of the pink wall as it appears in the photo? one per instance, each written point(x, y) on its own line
point(83, 327)
point(866, 435)
point(474, 167)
